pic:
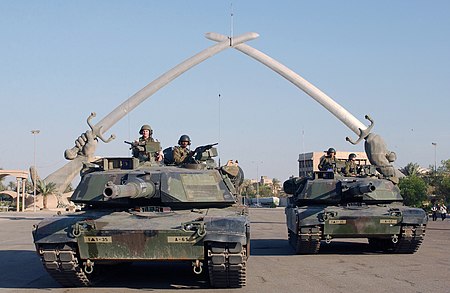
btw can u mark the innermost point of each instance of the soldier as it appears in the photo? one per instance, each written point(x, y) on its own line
point(181, 152)
point(146, 146)
point(328, 162)
point(351, 168)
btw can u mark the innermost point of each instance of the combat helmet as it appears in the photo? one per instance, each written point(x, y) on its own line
point(331, 150)
point(146, 127)
point(184, 137)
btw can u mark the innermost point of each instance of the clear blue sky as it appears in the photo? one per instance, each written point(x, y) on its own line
point(62, 60)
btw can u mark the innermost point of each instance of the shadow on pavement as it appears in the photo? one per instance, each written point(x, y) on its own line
point(23, 269)
point(260, 247)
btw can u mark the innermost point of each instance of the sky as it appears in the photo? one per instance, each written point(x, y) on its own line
point(62, 60)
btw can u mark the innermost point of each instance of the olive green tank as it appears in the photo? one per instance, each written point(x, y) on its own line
point(142, 212)
point(329, 206)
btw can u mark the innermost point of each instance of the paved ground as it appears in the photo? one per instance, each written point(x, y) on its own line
point(339, 267)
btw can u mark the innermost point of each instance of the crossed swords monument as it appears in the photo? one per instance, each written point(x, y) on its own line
point(85, 144)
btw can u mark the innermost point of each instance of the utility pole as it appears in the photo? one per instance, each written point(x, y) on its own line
point(34, 132)
point(435, 161)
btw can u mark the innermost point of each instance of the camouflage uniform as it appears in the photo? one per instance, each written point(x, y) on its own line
point(351, 168)
point(180, 155)
point(327, 163)
point(145, 149)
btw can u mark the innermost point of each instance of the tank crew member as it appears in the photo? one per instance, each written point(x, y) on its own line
point(181, 152)
point(146, 146)
point(351, 168)
point(328, 162)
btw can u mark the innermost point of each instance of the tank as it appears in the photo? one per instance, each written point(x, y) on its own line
point(328, 205)
point(146, 211)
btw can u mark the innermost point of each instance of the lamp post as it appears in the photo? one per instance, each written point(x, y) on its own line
point(34, 132)
point(435, 161)
point(257, 180)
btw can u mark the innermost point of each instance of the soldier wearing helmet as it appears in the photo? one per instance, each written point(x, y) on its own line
point(328, 162)
point(351, 168)
point(146, 147)
point(181, 152)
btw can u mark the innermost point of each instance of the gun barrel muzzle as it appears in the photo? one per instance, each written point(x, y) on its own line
point(136, 188)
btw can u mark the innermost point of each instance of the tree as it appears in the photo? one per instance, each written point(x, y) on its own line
point(411, 169)
point(265, 190)
point(275, 186)
point(413, 189)
point(12, 185)
point(247, 188)
point(45, 189)
point(2, 187)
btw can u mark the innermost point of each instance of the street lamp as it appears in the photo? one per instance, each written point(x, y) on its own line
point(435, 161)
point(257, 180)
point(34, 132)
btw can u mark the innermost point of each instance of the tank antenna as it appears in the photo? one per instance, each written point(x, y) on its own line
point(303, 151)
point(231, 24)
point(219, 127)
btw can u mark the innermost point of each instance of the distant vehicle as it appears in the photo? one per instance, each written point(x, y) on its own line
point(272, 201)
point(330, 206)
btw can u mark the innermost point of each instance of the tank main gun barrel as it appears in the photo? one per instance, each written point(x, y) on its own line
point(133, 189)
point(359, 189)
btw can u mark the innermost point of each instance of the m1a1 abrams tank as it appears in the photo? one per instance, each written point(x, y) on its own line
point(330, 206)
point(138, 212)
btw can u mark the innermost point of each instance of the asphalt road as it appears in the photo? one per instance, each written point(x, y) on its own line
point(342, 266)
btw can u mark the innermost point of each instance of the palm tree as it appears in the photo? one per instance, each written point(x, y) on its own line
point(12, 185)
point(275, 186)
point(411, 169)
point(45, 189)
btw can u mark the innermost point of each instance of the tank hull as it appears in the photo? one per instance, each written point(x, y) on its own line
point(215, 240)
point(392, 225)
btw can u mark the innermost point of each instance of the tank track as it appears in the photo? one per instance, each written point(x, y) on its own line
point(61, 262)
point(227, 265)
point(410, 239)
point(307, 241)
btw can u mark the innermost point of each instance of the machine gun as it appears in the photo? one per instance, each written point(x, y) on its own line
point(200, 153)
point(145, 151)
point(204, 148)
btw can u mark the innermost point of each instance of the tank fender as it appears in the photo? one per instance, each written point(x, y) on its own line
point(227, 229)
point(309, 216)
point(414, 216)
point(55, 230)
point(291, 218)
